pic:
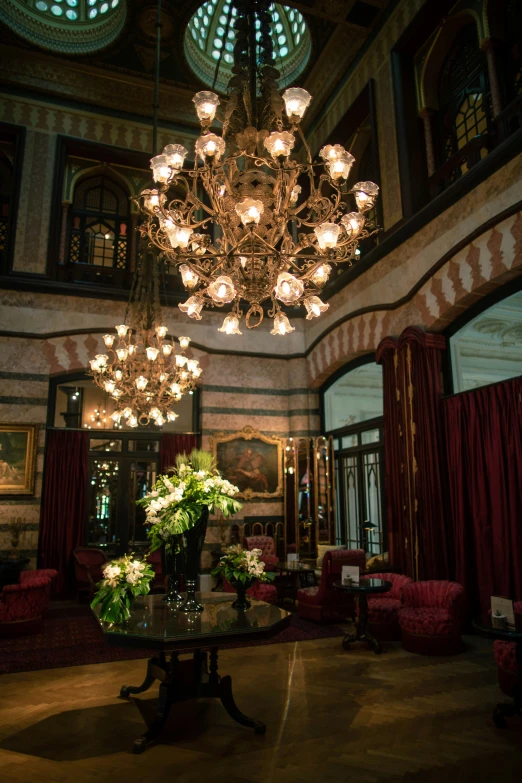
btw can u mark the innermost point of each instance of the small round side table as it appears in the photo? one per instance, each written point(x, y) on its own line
point(362, 624)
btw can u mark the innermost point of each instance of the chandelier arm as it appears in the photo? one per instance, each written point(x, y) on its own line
point(307, 148)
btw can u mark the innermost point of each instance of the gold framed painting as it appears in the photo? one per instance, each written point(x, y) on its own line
point(250, 460)
point(18, 445)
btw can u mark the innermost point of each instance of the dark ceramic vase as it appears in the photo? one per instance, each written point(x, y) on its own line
point(241, 603)
point(194, 539)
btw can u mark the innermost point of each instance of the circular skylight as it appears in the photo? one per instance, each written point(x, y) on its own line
point(69, 26)
point(210, 38)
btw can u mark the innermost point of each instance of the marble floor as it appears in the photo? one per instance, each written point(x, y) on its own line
point(332, 716)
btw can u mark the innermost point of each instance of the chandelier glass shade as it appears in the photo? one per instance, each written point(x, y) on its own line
point(143, 370)
point(250, 222)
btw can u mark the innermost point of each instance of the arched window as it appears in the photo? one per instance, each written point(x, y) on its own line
point(99, 224)
point(464, 110)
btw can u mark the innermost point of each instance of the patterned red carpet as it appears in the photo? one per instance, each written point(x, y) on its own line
point(70, 636)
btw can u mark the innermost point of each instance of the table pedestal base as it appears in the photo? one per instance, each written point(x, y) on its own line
point(182, 680)
point(510, 708)
point(362, 628)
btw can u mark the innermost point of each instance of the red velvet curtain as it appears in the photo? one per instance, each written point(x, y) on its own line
point(484, 449)
point(414, 456)
point(175, 443)
point(63, 504)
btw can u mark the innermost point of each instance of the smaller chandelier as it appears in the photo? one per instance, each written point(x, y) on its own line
point(144, 375)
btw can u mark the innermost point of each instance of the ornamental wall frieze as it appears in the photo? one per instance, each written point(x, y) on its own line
point(52, 119)
point(111, 89)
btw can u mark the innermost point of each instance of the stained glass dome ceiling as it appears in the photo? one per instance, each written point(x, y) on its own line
point(208, 42)
point(68, 26)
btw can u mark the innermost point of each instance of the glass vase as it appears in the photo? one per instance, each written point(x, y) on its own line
point(242, 603)
point(173, 568)
point(194, 539)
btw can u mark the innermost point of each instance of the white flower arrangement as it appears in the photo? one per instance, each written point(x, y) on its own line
point(242, 565)
point(123, 581)
point(176, 502)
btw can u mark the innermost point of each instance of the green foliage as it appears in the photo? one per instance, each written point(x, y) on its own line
point(176, 502)
point(124, 580)
point(242, 565)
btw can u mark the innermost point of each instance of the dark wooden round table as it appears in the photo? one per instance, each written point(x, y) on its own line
point(484, 626)
point(363, 631)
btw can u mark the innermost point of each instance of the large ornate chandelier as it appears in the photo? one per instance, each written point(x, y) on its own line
point(231, 222)
point(143, 372)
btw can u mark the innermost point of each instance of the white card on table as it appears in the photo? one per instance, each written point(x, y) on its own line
point(292, 559)
point(505, 605)
point(350, 575)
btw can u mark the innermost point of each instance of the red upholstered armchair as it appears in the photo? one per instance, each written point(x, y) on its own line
point(431, 617)
point(324, 603)
point(505, 658)
point(22, 606)
point(88, 564)
point(383, 608)
point(26, 577)
point(267, 547)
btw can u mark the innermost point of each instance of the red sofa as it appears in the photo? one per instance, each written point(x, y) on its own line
point(383, 608)
point(431, 617)
point(324, 603)
point(267, 547)
point(22, 606)
point(505, 658)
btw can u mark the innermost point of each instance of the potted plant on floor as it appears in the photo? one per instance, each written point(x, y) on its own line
point(177, 511)
point(241, 567)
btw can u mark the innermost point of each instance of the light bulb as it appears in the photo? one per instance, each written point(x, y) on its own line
point(222, 289)
point(192, 365)
point(296, 101)
point(321, 274)
point(109, 386)
point(189, 278)
point(171, 416)
point(152, 200)
point(353, 223)
point(331, 152)
point(121, 330)
point(339, 168)
point(180, 360)
point(243, 261)
point(279, 144)
point(175, 154)
point(160, 168)
point(167, 349)
point(141, 383)
point(179, 236)
point(184, 375)
point(161, 331)
point(175, 388)
point(282, 325)
point(160, 420)
point(250, 210)
point(230, 325)
point(152, 353)
point(108, 339)
point(192, 307)
point(117, 393)
point(288, 288)
point(197, 372)
point(206, 103)
point(314, 307)
point(154, 413)
point(102, 360)
point(210, 146)
point(126, 413)
point(132, 421)
point(184, 342)
point(118, 375)
point(294, 195)
point(116, 416)
point(95, 367)
point(327, 235)
point(365, 195)
point(122, 354)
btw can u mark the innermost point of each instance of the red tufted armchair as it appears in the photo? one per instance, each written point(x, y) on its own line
point(267, 547)
point(22, 606)
point(431, 617)
point(39, 573)
point(88, 565)
point(383, 608)
point(324, 603)
point(505, 658)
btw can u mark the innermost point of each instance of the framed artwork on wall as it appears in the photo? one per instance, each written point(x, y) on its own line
point(18, 444)
point(250, 460)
